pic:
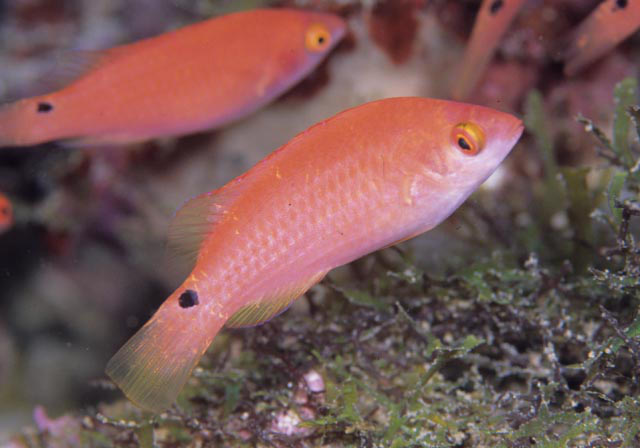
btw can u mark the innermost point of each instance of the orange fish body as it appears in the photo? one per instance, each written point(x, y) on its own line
point(365, 179)
point(492, 23)
point(608, 25)
point(6, 214)
point(199, 77)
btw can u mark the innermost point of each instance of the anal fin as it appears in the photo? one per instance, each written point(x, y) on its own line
point(271, 305)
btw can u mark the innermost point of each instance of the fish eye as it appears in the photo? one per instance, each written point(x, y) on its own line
point(468, 138)
point(318, 38)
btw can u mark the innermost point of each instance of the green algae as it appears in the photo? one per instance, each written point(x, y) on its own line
point(625, 97)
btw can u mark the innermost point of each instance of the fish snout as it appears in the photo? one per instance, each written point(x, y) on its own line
point(515, 132)
point(336, 25)
point(340, 29)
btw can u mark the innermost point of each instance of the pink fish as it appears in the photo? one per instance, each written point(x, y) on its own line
point(200, 77)
point(368, 178)
point(608, 25)
point(6, 214)
point(492, 23)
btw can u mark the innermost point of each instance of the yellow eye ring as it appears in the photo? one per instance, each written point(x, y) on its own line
point(468, 138)
point(317, 38)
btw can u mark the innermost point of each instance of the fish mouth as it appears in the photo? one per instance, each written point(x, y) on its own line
point(518, 129)
point(338, 30)
point(514, 133)
point(511, 135)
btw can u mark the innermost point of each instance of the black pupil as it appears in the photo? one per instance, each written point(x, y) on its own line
point(188, 299)
point(622, 4)
point(462, 142)
point(320, 40)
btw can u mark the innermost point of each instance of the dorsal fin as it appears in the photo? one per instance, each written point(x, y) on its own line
point(195, 221)
point(269, 306)
point(71, 65)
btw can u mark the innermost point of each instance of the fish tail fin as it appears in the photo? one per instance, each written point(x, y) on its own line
point(14, 128)
point(7, 124)
point(153, 366)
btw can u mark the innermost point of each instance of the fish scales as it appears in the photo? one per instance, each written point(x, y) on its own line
point(288, 218)
point(312, 221)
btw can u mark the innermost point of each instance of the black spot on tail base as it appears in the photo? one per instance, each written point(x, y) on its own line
point(44, 108)
point(621, 4)
point(188, 299)
point(496, 6)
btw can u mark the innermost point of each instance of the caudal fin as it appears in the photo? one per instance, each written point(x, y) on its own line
point(153, 366)
point(16, 128)
point(6, 124)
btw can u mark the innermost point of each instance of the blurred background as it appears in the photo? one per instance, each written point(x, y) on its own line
point(80, 268)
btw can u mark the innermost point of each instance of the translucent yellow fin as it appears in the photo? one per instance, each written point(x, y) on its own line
point(153, 366)
point(267, 307)
point(195, 221)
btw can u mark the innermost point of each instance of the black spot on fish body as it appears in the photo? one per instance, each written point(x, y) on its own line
point(496, 6)
point(188, 299)
point(622, 4)
point(44, 108)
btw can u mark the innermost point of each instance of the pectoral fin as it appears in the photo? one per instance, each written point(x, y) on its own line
point(196, 221)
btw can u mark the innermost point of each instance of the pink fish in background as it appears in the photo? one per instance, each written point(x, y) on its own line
point(199, 77)
point(491, 24)
point(6, 214)
point(368, 178)
point(608, 25)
